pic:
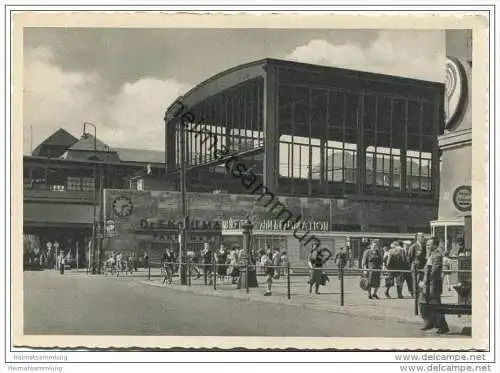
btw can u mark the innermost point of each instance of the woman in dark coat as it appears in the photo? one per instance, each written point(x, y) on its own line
point(432, 288)
point(372, 260)
point(221, 258)
point(316, 259)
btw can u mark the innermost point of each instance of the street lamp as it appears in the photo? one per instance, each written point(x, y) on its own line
point(84, 135)
point(183, 247)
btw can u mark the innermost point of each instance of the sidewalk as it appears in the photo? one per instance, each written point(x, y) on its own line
point(356, 301)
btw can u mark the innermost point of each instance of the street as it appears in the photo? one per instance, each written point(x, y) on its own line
point(71, 304)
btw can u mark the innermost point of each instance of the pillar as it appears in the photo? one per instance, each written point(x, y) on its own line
point(361, 151)
point(271, 128)
point(170, 145)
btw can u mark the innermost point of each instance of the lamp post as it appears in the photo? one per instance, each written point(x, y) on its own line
point(185, 217)
point(94, 218)
point(250, 273)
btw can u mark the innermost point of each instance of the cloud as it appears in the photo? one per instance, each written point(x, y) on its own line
point(54, 98)
point(412, 54)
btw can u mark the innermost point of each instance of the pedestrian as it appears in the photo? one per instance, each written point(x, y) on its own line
point(315, 263)
point(418, 255)
point(50, 255)
point(407, 274)
point(276, 258)
point(432, 288)
point(284, 259)
point(168, 261)
point(340, 260)
point(372, 263)
point(145, 259)
point(267, 264)
point(388, 278)
point(61, 263)
point(119, 263)
point(221, 258)
point(446, 270)
point(207, 256)
point(233, 269)
point(396, 262)
point(130, 263)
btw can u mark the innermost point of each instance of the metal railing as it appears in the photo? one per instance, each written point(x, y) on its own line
point(210, 275)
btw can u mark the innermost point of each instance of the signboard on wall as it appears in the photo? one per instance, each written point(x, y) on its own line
point(276, 225)
point(462, 198)
point(167, 231)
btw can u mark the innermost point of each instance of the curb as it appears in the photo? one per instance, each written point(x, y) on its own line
point(316, 307)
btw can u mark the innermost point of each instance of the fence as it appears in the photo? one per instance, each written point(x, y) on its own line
point(218, 277)
point(290, 280)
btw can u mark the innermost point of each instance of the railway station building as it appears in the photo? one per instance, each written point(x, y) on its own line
point(354, 154)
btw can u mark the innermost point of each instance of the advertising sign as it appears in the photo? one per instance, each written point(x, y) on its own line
point(462, 198)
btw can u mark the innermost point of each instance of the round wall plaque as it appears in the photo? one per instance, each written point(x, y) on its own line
point(462, 198)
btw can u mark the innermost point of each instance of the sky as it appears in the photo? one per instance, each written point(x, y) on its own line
point(122, 80)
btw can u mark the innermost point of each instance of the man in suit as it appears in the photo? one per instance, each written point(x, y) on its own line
point(207, 256)
point(418, 255)
point(432, 288)
point(396, 262)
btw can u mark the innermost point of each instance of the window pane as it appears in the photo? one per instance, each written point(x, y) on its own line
point(73, 183)
point(88, 183)
point(315, 163)
point(396, 172)
point(284, 160)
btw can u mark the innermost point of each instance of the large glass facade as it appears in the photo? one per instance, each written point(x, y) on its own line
point(334, 142)
point(336, 133)
point(232, 118)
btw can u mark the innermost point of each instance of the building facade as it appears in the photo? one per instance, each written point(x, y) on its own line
point(349, 154)
point(64, 179)
point(453, 225)
point(353, 154)
point(149, 221)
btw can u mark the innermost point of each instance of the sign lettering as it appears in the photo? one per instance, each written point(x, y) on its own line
point(277, 225)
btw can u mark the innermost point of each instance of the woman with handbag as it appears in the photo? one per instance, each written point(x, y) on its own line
point(372, 260)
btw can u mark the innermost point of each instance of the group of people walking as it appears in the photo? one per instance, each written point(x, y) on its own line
point(223, 263)
point(401, 260)
point(126, 263)
point(273, 262)
point(398, 260)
